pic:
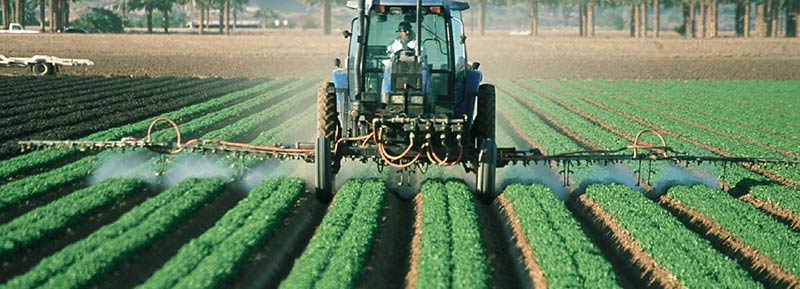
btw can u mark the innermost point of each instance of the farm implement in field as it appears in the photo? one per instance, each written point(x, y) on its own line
point(42, 65)
point(371, 148)
point(407, 98)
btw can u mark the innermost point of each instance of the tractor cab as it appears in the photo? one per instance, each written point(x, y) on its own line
point(426, 77)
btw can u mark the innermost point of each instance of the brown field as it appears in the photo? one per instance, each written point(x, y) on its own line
point(308, 53)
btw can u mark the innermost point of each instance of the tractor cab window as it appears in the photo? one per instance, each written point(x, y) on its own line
point(383, 31)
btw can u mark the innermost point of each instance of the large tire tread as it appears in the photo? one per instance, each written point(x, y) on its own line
point(327, 116)
point(484, 125)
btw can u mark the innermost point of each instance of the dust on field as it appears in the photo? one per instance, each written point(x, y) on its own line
point(307, 53)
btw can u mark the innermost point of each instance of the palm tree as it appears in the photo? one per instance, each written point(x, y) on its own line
point(6, 6)
point(148, 6)
point(325, 10)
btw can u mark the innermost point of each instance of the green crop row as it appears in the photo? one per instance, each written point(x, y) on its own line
point(733, 173)
point(20, 190)
point(784, 197)
point(35, 159)
point(259, 119)
point(551, 138)
point(79, 263)
point(237, 110)
point(348, 261)
point(38, 223)
point(451, 252)
point(681, 97)
point(744, 134)
point(765, 234)
point(213, 257)
point(775, 101)
point(613, 93)
point(565, 254)
point(668, 242)
point(336, 254)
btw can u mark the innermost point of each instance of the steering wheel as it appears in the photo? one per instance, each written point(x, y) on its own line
point(405, 51)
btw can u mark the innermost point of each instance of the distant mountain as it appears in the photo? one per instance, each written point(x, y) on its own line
point(282, 5)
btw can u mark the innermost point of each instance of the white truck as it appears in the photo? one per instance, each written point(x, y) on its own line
point(18, 29)
point(42, 65)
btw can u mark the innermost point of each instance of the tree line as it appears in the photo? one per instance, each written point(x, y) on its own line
point(700, 17)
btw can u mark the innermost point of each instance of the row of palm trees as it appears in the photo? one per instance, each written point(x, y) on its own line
point(59, 12)
point(700, 16)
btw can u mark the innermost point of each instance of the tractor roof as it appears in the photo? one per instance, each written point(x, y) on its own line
point(448, 4)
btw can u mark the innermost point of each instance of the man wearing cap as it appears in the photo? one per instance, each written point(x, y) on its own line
point(405, 39)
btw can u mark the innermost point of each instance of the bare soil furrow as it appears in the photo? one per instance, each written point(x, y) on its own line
point(550, 120)
point(785, 216)
point(710, 129)
point(759, 265)
point(752, 167)
point(530, 267)
point(275, 258)
point(413, 260)
point(387, 265)
point(651, 274)
point(722, 119)
point(22, 261)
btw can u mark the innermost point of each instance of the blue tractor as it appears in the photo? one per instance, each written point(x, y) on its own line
point(407, 104)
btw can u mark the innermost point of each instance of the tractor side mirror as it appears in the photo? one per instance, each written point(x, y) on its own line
point(346, 34)
point(337, 63)
point(463, 39)
point(475, 65)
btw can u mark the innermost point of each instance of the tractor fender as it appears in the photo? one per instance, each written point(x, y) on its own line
point(341, 85)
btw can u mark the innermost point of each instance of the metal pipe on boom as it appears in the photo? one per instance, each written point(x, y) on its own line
point(417, 48)
point(359, 65)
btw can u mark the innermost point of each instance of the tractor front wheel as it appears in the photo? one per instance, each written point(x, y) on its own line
point(487, 167)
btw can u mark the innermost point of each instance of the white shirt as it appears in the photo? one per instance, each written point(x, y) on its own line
point(397, 45)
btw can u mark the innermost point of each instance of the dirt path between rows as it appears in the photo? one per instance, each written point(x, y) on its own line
point(786, 216)
point(530, 267)
point(618, 261)
point(275, 258)
point(755, 168)
point(388, 263)
point(759, 265)
point(627, 248)
point(413, 261)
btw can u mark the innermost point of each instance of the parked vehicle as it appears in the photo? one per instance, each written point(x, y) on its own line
point(42, 65)
point(17, 28)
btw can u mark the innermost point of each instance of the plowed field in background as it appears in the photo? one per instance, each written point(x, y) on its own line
point(93, 219)
point(308, 53)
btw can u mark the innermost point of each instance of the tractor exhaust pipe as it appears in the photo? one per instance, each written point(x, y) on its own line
point(417, 49)
point(359, 65)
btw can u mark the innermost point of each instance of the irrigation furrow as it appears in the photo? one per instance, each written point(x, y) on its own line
point(646, 268)
point(759, 265)
point(755, 168)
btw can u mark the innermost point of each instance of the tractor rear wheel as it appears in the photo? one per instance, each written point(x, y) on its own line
point(484, 125)
point(487, 167)
point(327, 116)
point(327, 133)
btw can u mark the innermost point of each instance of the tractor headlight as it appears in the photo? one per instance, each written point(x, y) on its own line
point(417, 99)
point(398, 99)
